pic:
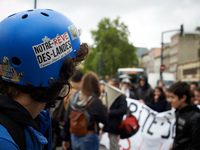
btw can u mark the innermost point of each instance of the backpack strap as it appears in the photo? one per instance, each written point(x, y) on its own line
point(95, 126)
point(88, 104)
point(15, 130)
point(93, 121)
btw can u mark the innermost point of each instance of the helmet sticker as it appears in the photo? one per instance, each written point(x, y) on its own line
point(53, 50)
point(7, 71)
point(74, 34)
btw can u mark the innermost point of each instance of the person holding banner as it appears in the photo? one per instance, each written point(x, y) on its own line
point(159, 102)
point(144, 93)
point(125, 88)
point(116, 112)
point(187, 118)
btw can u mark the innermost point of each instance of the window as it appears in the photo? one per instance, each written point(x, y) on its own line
point(190, 71)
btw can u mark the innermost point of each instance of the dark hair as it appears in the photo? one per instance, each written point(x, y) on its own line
point(195, 83)
point(143, 77)
point(77, 76)
point(162, 96)
point(90, 85)
point(180, 89)
point(162, 83)
point(192, 93)
point(115, 81)
point(197, 89)
point(47, 94)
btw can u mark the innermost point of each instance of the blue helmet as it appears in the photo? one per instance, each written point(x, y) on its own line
point(34, 44)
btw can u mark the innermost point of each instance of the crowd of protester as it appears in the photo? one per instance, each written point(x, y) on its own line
point(158, 99)
point(28, 89)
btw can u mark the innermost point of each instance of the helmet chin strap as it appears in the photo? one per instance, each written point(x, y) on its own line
point(61, 96)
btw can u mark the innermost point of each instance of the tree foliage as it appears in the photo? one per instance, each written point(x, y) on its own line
point(112, 46)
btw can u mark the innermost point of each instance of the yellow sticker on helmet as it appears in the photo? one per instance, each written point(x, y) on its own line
point(8, 72)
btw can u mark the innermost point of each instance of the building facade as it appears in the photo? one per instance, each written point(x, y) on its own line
point(144, 62)
point(166, 56)
point(181, 57)
point(189, 58)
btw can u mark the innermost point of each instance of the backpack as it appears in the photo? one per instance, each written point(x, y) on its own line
point(129, 126)
point(15, 130)
point(78, 121)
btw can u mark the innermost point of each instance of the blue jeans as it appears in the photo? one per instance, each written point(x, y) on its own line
point(86, 142)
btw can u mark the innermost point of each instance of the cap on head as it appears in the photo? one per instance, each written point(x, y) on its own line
point(101, 82)
point(34, 44)
point(126, 80)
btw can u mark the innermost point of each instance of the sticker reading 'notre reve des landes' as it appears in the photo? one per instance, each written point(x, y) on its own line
point(51, 50)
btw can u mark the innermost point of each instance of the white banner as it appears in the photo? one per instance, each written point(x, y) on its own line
point(156, 132)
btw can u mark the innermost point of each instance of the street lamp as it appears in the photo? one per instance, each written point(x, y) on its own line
point(162, 45)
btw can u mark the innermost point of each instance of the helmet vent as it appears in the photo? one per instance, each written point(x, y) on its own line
point(16, 61)
point(24, 16)
point(45, 14)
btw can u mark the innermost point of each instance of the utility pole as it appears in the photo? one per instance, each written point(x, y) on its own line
point(198, 29)
point(162, 46)
point(101, 68)
point(35, 4)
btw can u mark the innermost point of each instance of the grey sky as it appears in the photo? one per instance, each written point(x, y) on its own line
point(146, 19)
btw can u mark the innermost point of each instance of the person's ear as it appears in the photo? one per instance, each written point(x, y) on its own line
point(184, 97)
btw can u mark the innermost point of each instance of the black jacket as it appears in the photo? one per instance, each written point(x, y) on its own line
point(96, 110)
point(117, 110)
point(187, 129)
point(145, 93)
point(16, 112)
point(19, 115)
point(161, 105)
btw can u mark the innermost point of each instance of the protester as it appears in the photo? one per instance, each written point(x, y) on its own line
point(95, 113)
point(187, 118)
point(193, 85)
point(116, 112)
point(125, 88)
point(102, 89)
point(33, 70)
point(144, 92)
point(57, 113)
point(162, 85)
point(193, 97)
point(168, 99)
point(159, 102)
point(197, 96)
point(75, 86)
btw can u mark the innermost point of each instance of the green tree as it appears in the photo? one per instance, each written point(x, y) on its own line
point(112, 46)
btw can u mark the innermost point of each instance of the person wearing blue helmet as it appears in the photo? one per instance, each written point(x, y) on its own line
point(39, 50)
